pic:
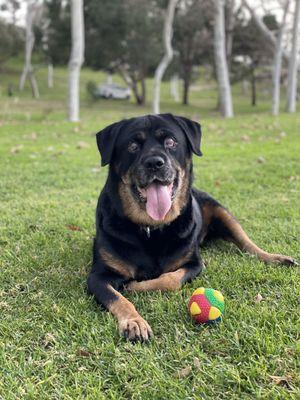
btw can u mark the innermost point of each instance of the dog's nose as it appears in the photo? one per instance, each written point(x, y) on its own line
point(154, 162)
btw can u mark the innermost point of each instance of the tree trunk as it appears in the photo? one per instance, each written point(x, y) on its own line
point(221, 62)
point(29, 43)
point(186, 87)
point(253, 87)
point(140, 95)
point(276, 73)
point(50, 76)
point(76, 58)
point(167, 58)
point(292, 70)
point(132, 82)
point(174, 87)
point(143, 91)
point(109, 78)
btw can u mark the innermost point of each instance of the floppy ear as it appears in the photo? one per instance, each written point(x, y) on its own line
point(106, 140)
point(192, 131)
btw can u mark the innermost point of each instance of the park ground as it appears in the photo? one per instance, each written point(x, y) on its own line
point(56, 343)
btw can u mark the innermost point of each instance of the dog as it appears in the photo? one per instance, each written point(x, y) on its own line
point(150, 221)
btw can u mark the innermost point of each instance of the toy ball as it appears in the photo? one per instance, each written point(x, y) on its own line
point(206, 306)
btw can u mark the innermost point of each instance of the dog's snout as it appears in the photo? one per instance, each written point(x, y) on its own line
point(154, 163)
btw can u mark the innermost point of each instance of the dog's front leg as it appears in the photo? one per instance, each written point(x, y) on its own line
point(131, 324)
point(167, 281)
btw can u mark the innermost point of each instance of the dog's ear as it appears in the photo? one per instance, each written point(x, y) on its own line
point(192, 132)
point(106, 140)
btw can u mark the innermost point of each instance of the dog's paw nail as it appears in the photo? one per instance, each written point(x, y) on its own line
point(136, 330)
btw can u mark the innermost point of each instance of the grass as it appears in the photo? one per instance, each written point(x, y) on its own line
point(55, 341)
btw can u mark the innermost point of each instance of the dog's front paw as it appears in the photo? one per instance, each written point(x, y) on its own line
point(135, 329)
point(284, 260)
point(132, 286)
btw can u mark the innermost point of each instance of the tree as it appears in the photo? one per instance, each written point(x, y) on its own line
point(167, 58)
point(229, 28)
point(32, 14)
point(276, 72)
point(266, 33)
point(292, 70)
point(133, 48)
point(221, 62)
point(250, 56)
point(11, 6)
point(11, 42)
point(76, 58)
point(192, 39)
point(57, 20)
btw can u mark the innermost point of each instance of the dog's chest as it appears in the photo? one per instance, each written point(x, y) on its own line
point(159, 253)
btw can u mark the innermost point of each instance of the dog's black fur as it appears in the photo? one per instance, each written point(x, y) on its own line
point(132, 250)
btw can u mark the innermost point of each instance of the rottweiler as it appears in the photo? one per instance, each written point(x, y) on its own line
point(150, 221)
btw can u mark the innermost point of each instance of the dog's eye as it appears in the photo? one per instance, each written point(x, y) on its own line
point(133, 147)
point(170, 143)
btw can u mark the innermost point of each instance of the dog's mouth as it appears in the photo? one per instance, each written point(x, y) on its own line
point(157, 196)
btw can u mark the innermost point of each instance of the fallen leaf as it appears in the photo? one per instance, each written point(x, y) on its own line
point(73, 228)
point(83, 353)
point(261, 160)
point(82, 145)
point(197, 363)
point(184, 372)
point(49, 341)
point(31, 136)
point(96, 169)
point(4, 305)
point(282, 134)
point(212, 126)
point(237, 338)
point(16, 149)
point(281, 380)
point(59, 153)
point(258, 298)
point(245, 138)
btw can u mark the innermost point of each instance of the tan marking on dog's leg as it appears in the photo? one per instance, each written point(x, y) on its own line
point(117, 265)
point(131, 324)
point(244, 243)
point(167, 281)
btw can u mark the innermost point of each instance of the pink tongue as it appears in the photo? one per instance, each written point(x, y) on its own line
point(158, 201)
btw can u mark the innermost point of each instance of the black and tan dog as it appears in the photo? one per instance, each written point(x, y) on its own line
point(149, 220)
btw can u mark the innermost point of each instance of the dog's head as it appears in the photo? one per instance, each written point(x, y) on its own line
point(150, 156)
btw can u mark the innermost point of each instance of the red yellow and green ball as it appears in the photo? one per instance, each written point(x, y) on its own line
point(206, 305)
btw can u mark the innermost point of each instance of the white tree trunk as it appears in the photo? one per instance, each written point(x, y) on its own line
point(292, 70)
point(50, 76)
point(174, 88)
point(276, 73)
point(109, 78)
point(167, 58)
point(221, 62)
point(29, 43)
point(76, 58)
point(268, 35)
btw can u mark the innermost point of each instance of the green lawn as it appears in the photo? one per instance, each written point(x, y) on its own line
point(56, 343)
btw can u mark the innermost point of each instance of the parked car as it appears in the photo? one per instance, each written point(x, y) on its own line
point(108, 91)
